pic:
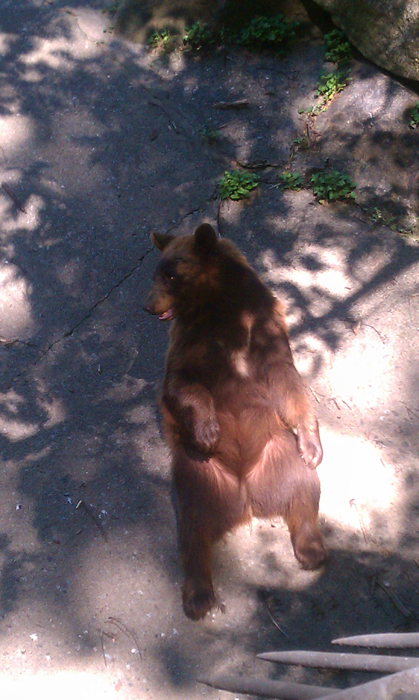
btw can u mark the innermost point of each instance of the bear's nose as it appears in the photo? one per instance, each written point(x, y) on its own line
point(148, 305)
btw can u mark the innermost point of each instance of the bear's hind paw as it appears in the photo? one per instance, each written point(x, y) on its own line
point(198, 599)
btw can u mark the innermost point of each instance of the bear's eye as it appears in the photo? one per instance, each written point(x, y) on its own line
point(168, 271)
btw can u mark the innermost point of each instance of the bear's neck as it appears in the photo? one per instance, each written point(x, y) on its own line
point(219, 311)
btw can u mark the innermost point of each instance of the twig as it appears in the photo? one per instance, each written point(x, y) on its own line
point(238, 104)
point(110, 636)
point(352, 503)
point(126, 630)
point(316, 396)
point(409, 410)
point(257, 165)
point(394, 599)
point(13, 197)
point(102, 633)
point(82, 504)
point(166, 112)
point(271, 617)
point(383, 338)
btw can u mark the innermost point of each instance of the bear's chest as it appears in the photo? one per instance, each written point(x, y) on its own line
point(236, 362)
point(240, 363)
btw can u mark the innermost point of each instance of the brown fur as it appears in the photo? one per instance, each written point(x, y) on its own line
point(239, 421)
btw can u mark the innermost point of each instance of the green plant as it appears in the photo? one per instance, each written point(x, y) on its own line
point(330, 84)
point(268, 32)
point(332, 184)
point(162, 40)
point(301, 142)
point(198, 35)
point(237, 184)
point(338, 48)
point(380, 217)
point(414, 116)
point(209, 134)
point(290, 181)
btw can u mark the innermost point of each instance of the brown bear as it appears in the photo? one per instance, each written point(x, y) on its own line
point(239, 421)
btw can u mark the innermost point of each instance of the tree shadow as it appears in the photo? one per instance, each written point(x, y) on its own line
point(105, 148)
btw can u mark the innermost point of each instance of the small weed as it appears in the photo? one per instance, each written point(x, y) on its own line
point(237, 184)
point(338, 48)
point(301, 143)
point(259, 33)
point(162, 40)
point(331, 185)
point(330, 84)
point(290, 181)
point(209, 134)
point(380, 217)
point(198, 35)
point(414, 116)
point(266, 32)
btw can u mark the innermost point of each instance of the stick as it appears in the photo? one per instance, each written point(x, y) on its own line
point(394, 599)
point(126, 630)
point(13, 197)
point(238, 104)
point(274, 621)
point(353, 662)
point(267, 688)
point(81, 504)
point(388, 640)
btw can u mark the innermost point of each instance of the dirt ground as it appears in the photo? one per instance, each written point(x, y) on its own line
point(99, 144)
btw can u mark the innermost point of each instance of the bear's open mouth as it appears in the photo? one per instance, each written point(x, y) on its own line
point(167, 315)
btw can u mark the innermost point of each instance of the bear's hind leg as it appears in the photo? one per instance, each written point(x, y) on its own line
point(195, 548)
point(198, 596)
point(208, 506)
point(282, 484)
point(301, 518)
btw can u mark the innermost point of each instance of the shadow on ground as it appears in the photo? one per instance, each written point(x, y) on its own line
point(100, 143)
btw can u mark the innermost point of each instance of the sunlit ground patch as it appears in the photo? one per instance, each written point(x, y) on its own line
point(359, 490)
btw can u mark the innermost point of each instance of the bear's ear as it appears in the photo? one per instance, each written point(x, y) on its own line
point(205, 239)
point(161, 240)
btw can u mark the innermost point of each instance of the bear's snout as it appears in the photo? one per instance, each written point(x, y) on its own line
point(159, 304)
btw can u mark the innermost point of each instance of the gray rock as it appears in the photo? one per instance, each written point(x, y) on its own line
point(385, 31)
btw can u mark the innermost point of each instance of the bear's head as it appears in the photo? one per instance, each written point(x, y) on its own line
point(187, 274)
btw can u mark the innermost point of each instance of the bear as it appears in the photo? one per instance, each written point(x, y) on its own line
point(237, 416)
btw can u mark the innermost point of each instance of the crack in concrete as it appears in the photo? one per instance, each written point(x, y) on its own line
point(79, 323)
point(91, 311)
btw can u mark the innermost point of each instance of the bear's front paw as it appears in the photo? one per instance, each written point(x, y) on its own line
point(198, 598)
point(206, 435)
point(310, 448)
